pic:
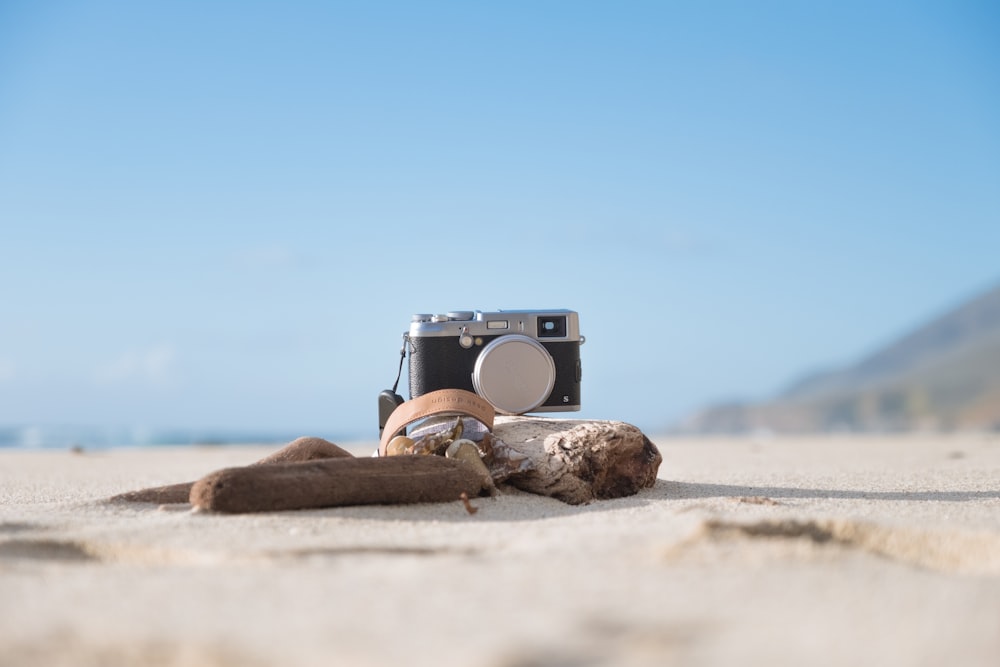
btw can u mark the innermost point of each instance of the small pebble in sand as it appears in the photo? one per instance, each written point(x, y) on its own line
point(757, 500)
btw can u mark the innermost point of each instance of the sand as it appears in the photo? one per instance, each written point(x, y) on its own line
point(785, 551)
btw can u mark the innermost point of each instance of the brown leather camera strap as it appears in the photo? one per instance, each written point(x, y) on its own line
point(440, 402)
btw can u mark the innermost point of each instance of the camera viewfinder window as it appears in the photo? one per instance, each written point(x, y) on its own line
point(552, 327)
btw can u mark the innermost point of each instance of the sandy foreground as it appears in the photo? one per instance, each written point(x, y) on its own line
point(818, 551)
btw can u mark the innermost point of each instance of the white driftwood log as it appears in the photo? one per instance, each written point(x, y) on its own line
point(573, 460)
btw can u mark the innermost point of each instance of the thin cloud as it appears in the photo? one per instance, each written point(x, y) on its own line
point(6, 370)
point(151, 366)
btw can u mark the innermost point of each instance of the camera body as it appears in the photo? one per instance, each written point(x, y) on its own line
point(518, 360)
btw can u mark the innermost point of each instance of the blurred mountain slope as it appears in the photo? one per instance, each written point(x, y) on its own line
point(945, 375)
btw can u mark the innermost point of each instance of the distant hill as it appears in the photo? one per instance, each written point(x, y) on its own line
point(943, 376)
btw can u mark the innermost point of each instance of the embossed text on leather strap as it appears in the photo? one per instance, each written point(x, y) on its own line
point(440, 402)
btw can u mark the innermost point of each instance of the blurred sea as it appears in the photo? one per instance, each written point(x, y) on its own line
point(97, 437)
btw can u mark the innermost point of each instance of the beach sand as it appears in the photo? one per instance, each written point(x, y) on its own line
point(781, 551)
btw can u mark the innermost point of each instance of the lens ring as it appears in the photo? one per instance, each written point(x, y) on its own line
point(515, 373)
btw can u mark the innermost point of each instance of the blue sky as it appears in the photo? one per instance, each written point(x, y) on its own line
point(222, 215)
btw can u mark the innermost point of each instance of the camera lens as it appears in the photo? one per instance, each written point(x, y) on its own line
point(515, 373)
point(552, 326)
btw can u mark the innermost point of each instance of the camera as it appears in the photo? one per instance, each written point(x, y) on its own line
point(518, 360)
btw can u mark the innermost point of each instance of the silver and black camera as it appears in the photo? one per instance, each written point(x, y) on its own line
point(518, 360)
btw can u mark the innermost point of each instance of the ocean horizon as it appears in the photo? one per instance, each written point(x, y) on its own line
point(70, 436)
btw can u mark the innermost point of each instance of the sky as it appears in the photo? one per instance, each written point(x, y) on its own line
point(222, 215)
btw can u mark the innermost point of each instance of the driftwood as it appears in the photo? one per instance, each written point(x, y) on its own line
point(576, 461)
point(305, 449)
point(301, 449)
point(161, 495)
point(336, 482)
